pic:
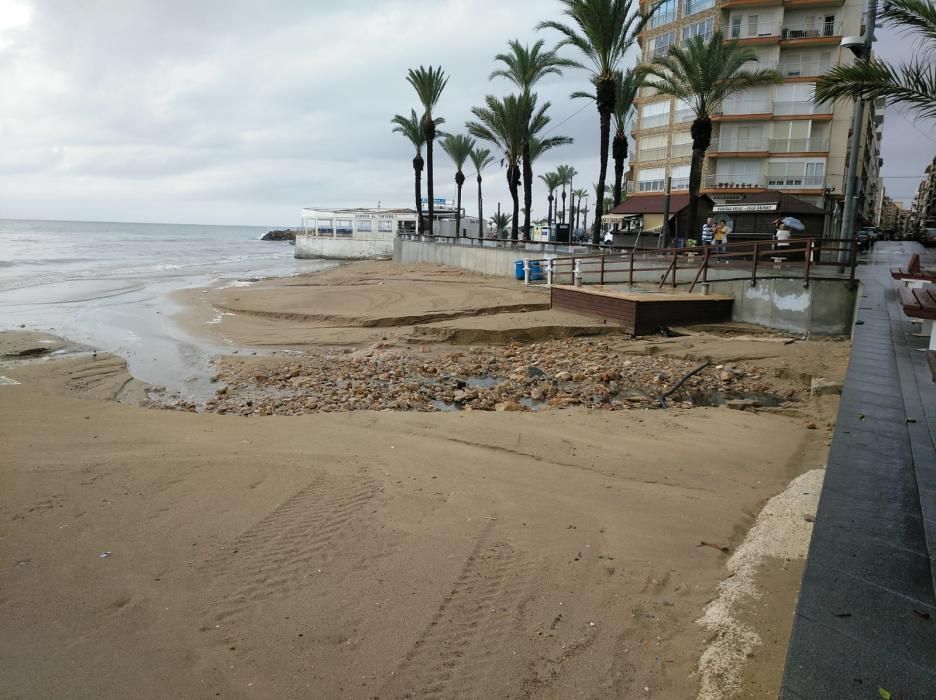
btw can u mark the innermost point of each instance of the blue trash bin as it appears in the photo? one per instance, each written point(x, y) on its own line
point(518, 269)
point(536, 272)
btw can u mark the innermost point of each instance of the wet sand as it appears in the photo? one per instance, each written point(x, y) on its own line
point(380, 554)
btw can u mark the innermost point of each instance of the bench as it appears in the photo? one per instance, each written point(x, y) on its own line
point(913, 271)
point(921, 303)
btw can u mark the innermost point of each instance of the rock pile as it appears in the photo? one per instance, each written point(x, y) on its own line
point(557, 374)
point(280, 235)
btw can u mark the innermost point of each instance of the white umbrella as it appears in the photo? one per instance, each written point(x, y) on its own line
point(791, 222)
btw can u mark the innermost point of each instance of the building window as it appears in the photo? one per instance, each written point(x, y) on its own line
point(702, 29)
point(343, 227)
point(364, 225)
point(385, 226)
point(664, 14)
point(680, 175)
point(691, 7)
point(326, 225)
point(654, 115)
point(662, 43)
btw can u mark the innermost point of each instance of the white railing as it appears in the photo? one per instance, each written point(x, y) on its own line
point(817, 143)
point(692, 7)
point(679, 183)
point(804, 69)
point(798, 107)
point(655, 121)
point(752, 66)
point(683, 115)
point(681, 150)
point(650, 186)
point(720, 181)
point(753, 30)
point(739, 145)
point(645, 155)
point(662, 50)
point(796, 182)
point(747, 106)
point(705, 37)
point(810, 30)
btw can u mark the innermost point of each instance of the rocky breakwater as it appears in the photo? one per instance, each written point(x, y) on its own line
point(552, 375)
point(279, 235)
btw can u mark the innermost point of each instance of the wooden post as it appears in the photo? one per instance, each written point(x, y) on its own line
point(630, 279)
point(601, 273)
point(705, 259)
point(809, 254)
point(572, 273)
point(754, 265)
point(675, 263)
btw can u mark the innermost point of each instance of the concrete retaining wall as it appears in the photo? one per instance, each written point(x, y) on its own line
point(487, 261)
point(315, 247)
point(826, 307)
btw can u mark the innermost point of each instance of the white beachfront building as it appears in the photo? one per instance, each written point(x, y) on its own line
point(368, 232)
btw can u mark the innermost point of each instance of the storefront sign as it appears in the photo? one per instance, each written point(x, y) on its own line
point(726, 208)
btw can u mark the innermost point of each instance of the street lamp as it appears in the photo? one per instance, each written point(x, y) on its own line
point(585, 216)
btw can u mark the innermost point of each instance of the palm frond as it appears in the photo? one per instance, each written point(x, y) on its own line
point(481, 158)
point(912, 84)
point(411, 129)
point(526, 65)
point(428, 84)
point(458, 148)
point(911, 15)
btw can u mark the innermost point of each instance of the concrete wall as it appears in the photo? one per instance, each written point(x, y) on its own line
point(314, 247)
point(826, 307)
point(485, 260)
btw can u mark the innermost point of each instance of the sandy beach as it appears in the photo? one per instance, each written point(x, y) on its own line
point(331, 549)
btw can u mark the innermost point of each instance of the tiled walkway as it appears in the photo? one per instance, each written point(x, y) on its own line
point(866, 616)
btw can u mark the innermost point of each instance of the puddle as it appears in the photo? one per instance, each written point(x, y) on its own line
point(532, 404)
point(718, 398)
point(483, 382)
point(445, 406)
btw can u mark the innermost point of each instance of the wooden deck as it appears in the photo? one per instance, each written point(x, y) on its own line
point(642, 314)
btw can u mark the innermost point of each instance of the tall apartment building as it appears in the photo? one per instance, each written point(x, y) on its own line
point(768, 138)
point(890, 214)
point(923, 209)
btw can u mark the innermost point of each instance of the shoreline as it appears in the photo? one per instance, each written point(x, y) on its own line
point(339, 554)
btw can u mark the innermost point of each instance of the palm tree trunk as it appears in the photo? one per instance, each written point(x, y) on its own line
point(527, 190)
point(701, 132)
point(571, 212)
point(562, 218)
point(459, 181)
point(429, 193)
point(549, 212)
point(619, 153)
point(604, 92)
point(513, 181)
point(480, 211)
point(417, 167)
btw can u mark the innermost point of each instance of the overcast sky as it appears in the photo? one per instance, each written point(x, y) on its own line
point(243, 111)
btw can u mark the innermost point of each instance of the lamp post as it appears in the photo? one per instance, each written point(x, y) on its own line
point(585, 213)
point(861, 48)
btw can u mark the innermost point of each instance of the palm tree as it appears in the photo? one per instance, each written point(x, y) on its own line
point(552, 182)
point(524, 66)
point(411, 128)
point(459, 149)
point(428, 84)
point(703, 74)
point(603, 31)
point(578, 194)
point(626, 86)
point(508, 123)
point(501, 222)
point(912, 83)
point(566, 173)
point(480, 158)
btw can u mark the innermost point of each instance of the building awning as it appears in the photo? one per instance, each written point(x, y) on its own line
point(654, 203)
point(616, 218)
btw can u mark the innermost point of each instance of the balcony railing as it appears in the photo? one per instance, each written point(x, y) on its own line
point(680, 183)
point(681, 150)
point(754, 30)
point(645, 155)
point(795, 182)
point(803, 69)
point(817, 143)
point(655, 121)
point(662, 50)
point(720, 181)
point(810, 30)
point(739, 145)
point(683, 115)
point(752, 66)
point(650, 186)
point(705, 37)
point(750, 106)
point(799, 107)
point(692, 7)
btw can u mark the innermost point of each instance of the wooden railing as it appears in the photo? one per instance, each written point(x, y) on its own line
point(750, 260)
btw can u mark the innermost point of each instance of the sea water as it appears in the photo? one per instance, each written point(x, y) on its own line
point(108, 285)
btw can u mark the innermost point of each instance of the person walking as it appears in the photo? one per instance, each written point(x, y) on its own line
point(782, 235)
point(708, 231)
point(721, 237)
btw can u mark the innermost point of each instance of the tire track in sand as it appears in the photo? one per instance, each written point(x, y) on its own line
point(464, 640)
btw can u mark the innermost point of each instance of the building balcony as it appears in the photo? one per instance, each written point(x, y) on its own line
point(679, 183)
point(811, 32)
point(818, 144)
point(800, 108)
point(660, 19)
point(742, 4)
point(757, 144)
point(655, 121)
point(746, 107)
point(650, 186)
point(809, 4)
point(796, 182)
point(798, 69)
point(646, 155)
point(681, 150)
point(681, 116)
point(754, 30)
point(733, 182)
